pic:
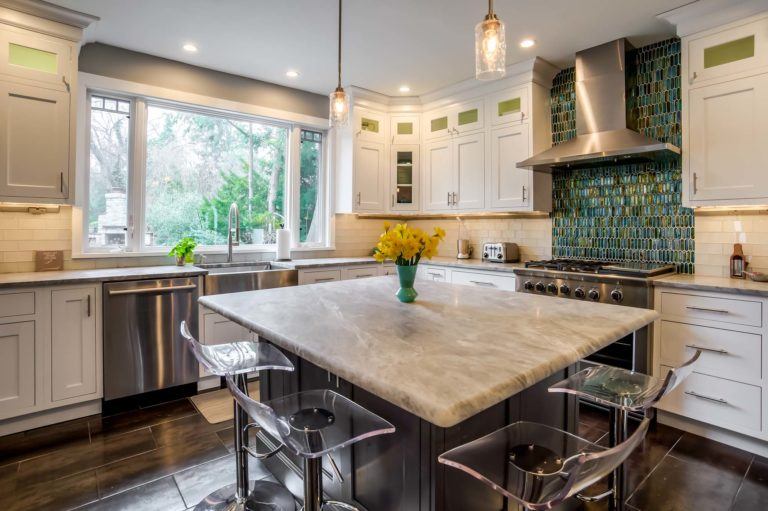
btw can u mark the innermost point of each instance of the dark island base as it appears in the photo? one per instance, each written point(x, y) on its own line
point(400, 472)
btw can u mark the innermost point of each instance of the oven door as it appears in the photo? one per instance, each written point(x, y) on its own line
point(630, 352)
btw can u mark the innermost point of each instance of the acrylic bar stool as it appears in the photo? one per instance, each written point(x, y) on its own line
point(312, 424)
point(622, 391)
point(235, 360)
point(539, 466)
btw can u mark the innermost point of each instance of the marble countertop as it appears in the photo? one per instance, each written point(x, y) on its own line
point(455, 352)
point(42, 278)
point(716, 284)
point(475, 264)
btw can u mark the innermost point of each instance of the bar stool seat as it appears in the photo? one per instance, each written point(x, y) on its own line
point(539, 466)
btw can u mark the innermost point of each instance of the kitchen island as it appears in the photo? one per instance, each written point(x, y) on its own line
point(458, 363)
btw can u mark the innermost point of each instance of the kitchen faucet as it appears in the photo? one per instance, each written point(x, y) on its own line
point(233, 210)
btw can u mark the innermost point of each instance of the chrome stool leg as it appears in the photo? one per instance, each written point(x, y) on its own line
point(313, 484)
point(245, 495)
point(619, 432)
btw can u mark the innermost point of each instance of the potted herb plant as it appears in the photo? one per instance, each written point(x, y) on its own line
point(184, 251)
point(406, 246)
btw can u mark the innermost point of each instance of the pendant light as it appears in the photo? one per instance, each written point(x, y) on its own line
point(339, 107)
point(490, 47)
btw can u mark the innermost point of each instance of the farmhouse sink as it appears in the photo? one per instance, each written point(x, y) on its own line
point(235, 277)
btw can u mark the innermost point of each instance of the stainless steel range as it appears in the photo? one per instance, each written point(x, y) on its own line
point(626, 284)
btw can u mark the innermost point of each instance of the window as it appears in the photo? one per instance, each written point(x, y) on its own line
point(189, 165)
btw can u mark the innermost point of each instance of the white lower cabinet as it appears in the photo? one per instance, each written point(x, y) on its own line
point(50, 348)
point(360, 272)
point(727, 388)
point(486, 279)
point(216, 329)
point(433, 273)
point(319, 276)
point(73, 342)
point(17, 367)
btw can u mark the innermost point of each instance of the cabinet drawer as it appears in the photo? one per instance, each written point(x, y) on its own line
point(727, 354)
point(317, 277)
point(716, 401)
point(17, 304)
point(432, 273)
point(727, 52)
point(360, 272)
point(480, 279)
point(723, 310)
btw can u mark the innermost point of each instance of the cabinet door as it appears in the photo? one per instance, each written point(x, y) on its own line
point(17, 367)
point(36, 57)
point(404, 129)
point(370, 125)
point(728, 130)
point(370, 169)
point(508, 106)
point(728, 52)
point(404, 178)
point(469, 116)
point(34, 142)
point(510, 185)
point(469, 168)
point(73, 342)
point(438, 175)
point(437, 124)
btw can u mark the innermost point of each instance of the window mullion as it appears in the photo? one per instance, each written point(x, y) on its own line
point(138, 175)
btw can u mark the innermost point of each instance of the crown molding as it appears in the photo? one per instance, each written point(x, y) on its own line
point(703, 15)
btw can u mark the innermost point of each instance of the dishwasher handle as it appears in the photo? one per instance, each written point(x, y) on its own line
point(151, 290)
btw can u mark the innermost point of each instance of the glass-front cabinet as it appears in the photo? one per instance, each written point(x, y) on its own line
point(404, 178)
point(404, 129)
point(508, 106)
point(453, 120)
point(370, 125)
point(36, 57)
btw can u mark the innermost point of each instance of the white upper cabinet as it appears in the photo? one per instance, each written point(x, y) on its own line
point(725, 115)
point(34, 142)
point(437, 124)
point(73, 343)
point(438, 175)
point(469, 172)
point(508, 106)
point(370, 125)
point(404, 129)
point(33, 56)
point(370, 181)
point(510, 185)
point(454, 120)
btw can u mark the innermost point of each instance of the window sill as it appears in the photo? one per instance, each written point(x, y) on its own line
point(268, 249)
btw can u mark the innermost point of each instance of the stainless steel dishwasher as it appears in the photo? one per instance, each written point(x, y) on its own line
point(143, 349)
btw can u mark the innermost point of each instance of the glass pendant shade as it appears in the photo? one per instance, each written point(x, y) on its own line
point(490, 49)
point(339, 107)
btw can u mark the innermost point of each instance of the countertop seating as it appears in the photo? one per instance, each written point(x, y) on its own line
point(235, 360)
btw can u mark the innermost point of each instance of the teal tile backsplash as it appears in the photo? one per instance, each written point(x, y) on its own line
point(626, 212)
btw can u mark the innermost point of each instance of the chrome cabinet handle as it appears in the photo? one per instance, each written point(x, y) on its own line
point(707, 398)
point(150, 290)
point(453, 198)
point(325, 279)
point(363, 276)
point(695, 183)
point(61, 182)
point(705, 309)
point(434, 274)
point(88, 306)
point(66, 83)
point(393, 200)
point(481, 283)
point(358, 198)
point(693, 77)
point(524, 197)
point(711, 350)
point(448, 200)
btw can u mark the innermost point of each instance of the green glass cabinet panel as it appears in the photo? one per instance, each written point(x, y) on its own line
point(731, 51)
point(468, 117)
point(439, 124)
point(32, 58)
point(405, 128)
point(509, 106)
point(371, 125)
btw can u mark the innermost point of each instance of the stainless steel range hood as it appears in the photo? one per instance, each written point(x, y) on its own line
point(605, 124)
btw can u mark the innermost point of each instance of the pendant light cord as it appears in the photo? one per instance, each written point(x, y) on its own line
point(340, 43)
point(490, 8)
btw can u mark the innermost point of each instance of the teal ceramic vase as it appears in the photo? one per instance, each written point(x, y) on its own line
point(407, 275)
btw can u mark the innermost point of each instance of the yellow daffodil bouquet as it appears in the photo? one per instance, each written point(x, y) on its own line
point(407, 245)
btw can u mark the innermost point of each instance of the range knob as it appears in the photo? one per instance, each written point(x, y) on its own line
point(552, 288)
point(617, 295)
point(499, 256)
point(565, 290)
point(540, 287)
point(485, 255)
point(594, 294)
point(579, 293)
point(528, 285)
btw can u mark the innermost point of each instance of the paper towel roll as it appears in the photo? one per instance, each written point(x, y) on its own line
point(283, 245)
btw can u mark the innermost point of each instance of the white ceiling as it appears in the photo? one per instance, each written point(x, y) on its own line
point(425, 44)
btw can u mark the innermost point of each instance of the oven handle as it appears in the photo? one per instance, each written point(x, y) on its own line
point(711, 350)
point(151, 290)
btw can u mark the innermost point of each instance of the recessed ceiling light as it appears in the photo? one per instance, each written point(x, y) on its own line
point(405, 88)
point(527, 43)
point(191, 48)
point(292, 74)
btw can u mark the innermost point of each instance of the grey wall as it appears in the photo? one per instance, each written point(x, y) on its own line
point(105, 60)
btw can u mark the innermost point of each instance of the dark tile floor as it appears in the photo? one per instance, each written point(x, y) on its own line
point(168, 457)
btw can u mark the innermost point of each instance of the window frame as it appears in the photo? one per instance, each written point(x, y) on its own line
point(140, 101)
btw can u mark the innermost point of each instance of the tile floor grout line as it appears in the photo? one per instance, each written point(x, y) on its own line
point(640, 484)
point(181, 495)
point(741, 484)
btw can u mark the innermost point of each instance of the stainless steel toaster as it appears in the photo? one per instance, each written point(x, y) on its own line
point(502, 252)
